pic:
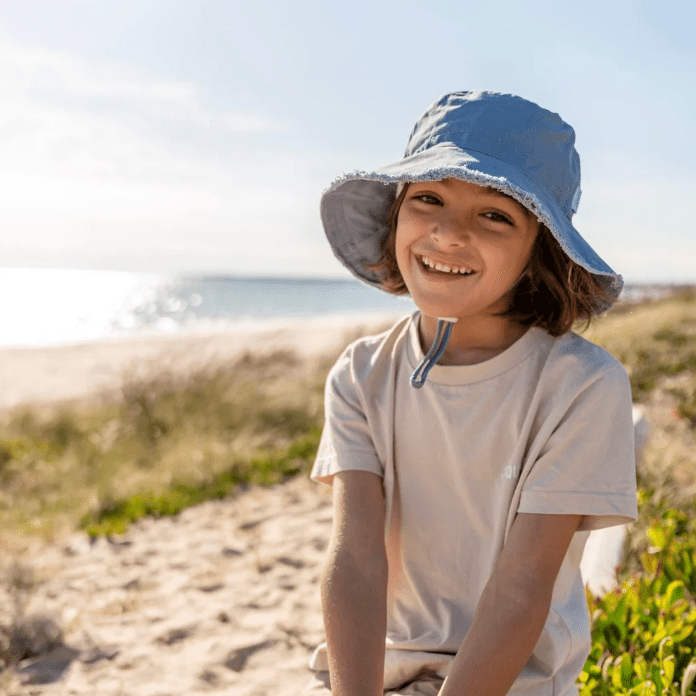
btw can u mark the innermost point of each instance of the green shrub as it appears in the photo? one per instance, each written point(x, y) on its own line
point(643, 639)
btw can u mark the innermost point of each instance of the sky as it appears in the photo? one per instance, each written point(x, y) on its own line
point(197, 135)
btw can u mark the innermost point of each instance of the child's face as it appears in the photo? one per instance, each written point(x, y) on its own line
point(480, 238)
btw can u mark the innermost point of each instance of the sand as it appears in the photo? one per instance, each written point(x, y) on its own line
point(50, 374)
point(221, 599)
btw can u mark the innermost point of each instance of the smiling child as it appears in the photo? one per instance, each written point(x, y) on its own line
point(474, 445)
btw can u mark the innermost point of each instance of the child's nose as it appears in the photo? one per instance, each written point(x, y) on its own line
point(450, 233)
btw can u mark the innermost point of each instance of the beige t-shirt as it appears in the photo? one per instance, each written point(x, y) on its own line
point(544, 427)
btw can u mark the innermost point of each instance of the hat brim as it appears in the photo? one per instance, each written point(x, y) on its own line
point(355, 208)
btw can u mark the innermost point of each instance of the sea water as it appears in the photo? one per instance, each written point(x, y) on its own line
point(58, 306)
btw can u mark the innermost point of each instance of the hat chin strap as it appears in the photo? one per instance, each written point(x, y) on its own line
point(442, 334)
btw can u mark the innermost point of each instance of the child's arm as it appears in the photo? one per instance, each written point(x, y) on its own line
point(513, 607)
point(354, 586)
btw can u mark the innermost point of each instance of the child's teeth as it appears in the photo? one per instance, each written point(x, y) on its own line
point(445, 269)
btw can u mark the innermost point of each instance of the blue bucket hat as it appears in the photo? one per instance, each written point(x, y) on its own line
point(486, 138)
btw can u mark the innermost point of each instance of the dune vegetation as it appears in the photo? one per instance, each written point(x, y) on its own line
point(644, 639)
point(169, 441)
point(174, 440)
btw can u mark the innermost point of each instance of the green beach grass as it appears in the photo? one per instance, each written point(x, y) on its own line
point(644, 633)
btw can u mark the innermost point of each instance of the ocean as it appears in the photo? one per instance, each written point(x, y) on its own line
point(43, 307)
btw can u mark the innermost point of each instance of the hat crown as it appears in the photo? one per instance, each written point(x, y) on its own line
point(511, 129)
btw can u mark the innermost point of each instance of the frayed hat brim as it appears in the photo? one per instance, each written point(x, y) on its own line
point(355, 208)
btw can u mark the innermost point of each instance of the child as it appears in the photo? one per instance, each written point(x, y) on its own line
point(466, 480)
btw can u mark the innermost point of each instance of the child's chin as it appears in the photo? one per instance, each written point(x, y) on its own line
point(436, 311)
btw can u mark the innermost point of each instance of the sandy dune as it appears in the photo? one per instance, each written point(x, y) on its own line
point(222, 599)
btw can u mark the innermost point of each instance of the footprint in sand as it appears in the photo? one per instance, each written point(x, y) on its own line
point(237, 659)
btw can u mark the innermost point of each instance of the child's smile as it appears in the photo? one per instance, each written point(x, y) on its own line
point(461, 248)
point(431, 265)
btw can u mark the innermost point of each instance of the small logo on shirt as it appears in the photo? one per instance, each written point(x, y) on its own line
point(510, 471)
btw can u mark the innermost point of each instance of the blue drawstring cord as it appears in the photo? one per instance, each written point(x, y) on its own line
point(442, 334)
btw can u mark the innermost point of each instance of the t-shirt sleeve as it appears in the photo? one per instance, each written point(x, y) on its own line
point(346, 443)
point(587, 464)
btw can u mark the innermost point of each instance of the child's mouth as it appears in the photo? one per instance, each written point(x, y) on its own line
point(444, 269)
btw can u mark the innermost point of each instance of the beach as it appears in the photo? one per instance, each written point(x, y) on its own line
point(221, 598)
point(47, 374)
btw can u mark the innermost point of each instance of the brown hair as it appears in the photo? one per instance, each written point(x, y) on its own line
point(554, 292)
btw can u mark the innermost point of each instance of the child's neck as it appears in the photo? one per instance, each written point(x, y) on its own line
point(472, 341)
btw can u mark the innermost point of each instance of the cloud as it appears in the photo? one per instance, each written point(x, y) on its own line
point(47, 76)
point(46, 73)
point(61, 141)
point(248, 123)
point(101, 160)
point(65, 118)
point(63, 113)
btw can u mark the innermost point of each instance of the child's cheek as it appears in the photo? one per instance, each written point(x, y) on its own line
point(400, 250)
point(403, 268)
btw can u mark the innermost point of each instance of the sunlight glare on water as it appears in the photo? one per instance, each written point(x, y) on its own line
point(52, 306)
point(44, 307)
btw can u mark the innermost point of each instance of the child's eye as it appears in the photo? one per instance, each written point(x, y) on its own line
point(498, 217)
point(428, 198)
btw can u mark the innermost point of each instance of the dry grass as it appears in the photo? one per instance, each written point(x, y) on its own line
point(657, 343)
point(58, 465)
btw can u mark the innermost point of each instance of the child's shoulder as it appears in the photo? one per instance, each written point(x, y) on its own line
point(575, 347)
point(575, 360)
point(370, 353)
